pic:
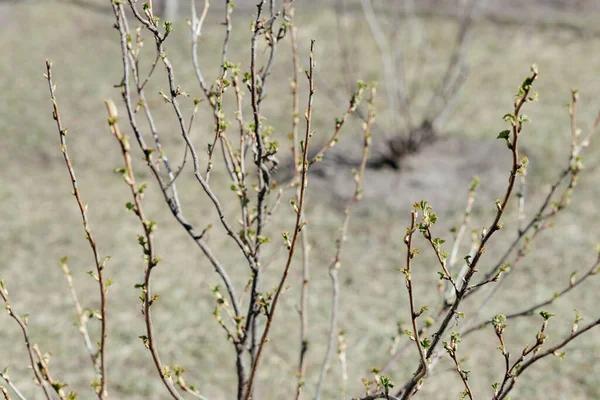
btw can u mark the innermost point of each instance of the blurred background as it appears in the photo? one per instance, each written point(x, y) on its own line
point(496, 41)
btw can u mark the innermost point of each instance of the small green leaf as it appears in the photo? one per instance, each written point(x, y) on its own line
point(505, 134)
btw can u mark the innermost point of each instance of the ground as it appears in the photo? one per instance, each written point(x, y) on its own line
point(40, 222)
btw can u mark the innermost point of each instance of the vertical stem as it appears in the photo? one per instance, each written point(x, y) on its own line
point(297, 228)
point(101, 390)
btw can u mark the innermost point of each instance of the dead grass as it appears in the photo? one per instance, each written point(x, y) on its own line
point(40, 221)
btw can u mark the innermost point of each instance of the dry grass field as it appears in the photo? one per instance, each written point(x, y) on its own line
point(39, 221)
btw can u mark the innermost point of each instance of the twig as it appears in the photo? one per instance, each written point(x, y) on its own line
point(82, 319)
point(512, 137)
point(336, 262)
point(304, 293)
point(101, 391)
point(551, 351)
point(4, 375)
point(339, 123)
point(168, 188)
point(297, 228)
point(449, 292)
point(264, 182)
point(343, 360)
point(464, 375)
point(573, 283)
point(43, 365)
point(4, 392)
point(539, 222)
point(133, 57)
point(196, 25)
point(174, 92)
point(22, 322)
point(181, 383)
point(146, 241)
point(410, 254)
point(171, 201)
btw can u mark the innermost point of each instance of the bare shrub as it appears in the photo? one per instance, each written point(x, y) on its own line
point(246, 314)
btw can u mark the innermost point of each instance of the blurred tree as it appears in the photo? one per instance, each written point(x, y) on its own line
point(169, 9)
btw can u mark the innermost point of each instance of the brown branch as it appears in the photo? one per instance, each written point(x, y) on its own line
point(537, 223)
point(259, 27)
point(22, 322)
point(339, 123)
point(573, 283)
point(101, 391)
point(174, 92)
point(196, 26)
point(304, 293)
point(171, 200)
point(336, 262)
point(147, 243)
point(82, 319)
point(6, 378)
point(516, 121)
point(410, 254)
point(540, 221)
point(436, 247)
point(551, 351)
point(451, 264)
point(464, 375)
point(43, 365)
point(297, 228)
point(168, 188)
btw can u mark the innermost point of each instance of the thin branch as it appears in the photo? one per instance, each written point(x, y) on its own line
point(342, 345)
point(43, 365)
point(464, 375)
point(551, 351)
point(181, 383)
point(228, 10)
point(573, 283)
point(297, 228)
point(82, 319)
point(101, 391)
point(4, 392)
point(540, 221)
point(336, 262)
point(22, 322)
point(516, 121)
point(450, 289)
point(339, 123)
point(196, 25)
point(410, 254)
point(146, 241)
point(295, 150)
point(172, 201)
point(168, 188)
point(9, 382)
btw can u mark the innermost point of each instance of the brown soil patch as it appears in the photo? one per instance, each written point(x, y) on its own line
point(440, 173)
